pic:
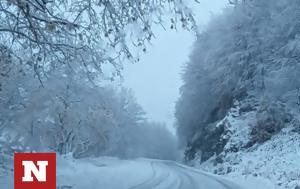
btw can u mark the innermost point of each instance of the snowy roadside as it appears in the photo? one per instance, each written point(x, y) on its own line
point(141, 173)
point(113, 173)
point(275, 162)
point(106, 172)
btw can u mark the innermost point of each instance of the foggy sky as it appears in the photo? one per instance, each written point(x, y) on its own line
point(156, 79)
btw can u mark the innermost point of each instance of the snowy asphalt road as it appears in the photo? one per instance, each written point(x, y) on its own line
point(167, 175)
point(136, 174)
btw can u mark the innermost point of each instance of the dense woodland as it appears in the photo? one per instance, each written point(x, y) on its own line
point(239, 105)
point(58, 58)
point(249, 55)
point(57, 63)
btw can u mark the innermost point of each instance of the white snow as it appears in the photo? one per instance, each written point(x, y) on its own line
point(274, 163)
point(113, 173)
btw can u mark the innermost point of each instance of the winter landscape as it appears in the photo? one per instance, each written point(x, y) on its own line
point(153, 94)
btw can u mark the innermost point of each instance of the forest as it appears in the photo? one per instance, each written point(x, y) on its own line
point(237, 113)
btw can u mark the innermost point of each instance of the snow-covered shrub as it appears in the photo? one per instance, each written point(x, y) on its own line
point(209, 143)
point(296, 125)
point(270, 119)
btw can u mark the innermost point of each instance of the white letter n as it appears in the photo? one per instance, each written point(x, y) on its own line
point(40, 173)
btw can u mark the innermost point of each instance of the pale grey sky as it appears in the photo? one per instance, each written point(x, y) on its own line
point(156, 79)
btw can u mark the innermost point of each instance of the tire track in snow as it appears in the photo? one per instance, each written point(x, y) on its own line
point(154, 181)
point(186, 180)
point(224, 183)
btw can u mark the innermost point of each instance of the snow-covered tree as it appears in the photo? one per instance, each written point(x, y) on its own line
point(251, 51)
point(45, 34)
point(70, 114)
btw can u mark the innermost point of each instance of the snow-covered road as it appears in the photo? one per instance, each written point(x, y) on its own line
point(172, 175)
point(111, 173)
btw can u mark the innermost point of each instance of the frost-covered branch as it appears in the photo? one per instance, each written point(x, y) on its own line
point(51, 33)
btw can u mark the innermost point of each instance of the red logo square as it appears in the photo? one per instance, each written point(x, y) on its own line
point(35, 171)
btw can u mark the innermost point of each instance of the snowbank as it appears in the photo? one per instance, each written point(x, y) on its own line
point(275, 161)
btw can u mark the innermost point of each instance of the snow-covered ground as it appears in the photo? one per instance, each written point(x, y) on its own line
point(272, 165)
point(130, 174)
point(112, 173)
point(275, 161)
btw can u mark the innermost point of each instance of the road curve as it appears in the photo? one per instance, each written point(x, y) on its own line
point(171, 175)
point(135, 174)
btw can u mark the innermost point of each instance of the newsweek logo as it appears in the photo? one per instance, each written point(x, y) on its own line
point(35, 171)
